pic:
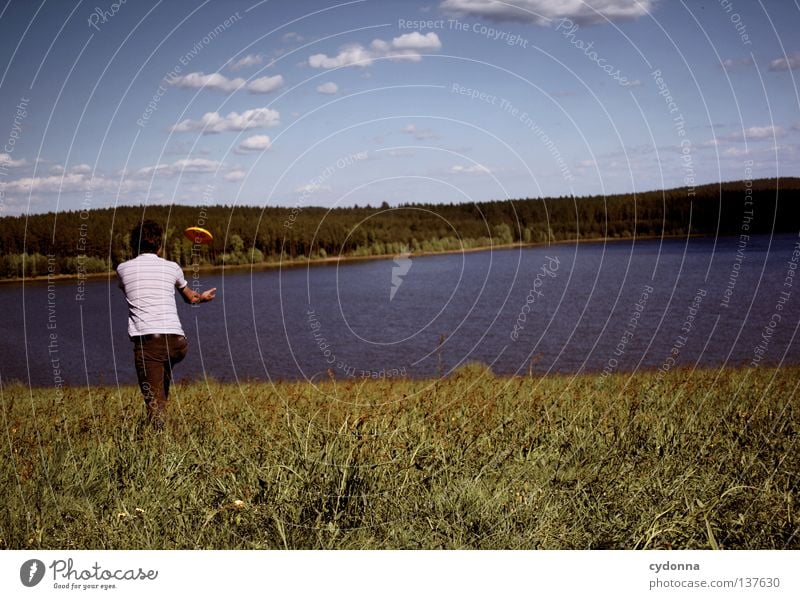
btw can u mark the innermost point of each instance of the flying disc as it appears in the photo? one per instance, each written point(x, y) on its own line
point(198, 235)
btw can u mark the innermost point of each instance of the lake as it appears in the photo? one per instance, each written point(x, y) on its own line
point(592, 307)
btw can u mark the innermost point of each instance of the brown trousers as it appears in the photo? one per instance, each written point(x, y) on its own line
point(154, 357)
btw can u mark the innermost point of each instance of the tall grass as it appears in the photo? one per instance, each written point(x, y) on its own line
point(707, 459)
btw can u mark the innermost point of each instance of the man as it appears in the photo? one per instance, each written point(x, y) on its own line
point(149, 284)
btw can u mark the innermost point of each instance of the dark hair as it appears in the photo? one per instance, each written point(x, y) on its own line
point(146, 238)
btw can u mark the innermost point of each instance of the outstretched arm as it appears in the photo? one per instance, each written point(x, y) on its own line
point(190, 296)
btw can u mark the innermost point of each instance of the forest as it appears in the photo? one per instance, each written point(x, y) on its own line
point(97, 240)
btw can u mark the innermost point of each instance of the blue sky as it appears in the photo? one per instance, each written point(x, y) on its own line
point(321, 103)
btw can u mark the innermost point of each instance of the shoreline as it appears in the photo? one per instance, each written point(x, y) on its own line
point(307, 262)
point(470, 367)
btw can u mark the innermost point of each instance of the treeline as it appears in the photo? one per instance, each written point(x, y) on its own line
point(97, 240)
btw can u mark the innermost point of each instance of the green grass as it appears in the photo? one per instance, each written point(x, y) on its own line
point(700, 459)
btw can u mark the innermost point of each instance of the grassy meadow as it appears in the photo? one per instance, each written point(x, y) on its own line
point(698, 459)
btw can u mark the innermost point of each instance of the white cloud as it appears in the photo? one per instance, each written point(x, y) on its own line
point(544, 12)
point(186, 165)
point(214, 81)
point(634, 83)
point(19, 205)
point(254, 143)
point(7, 161)
point(81, 169)
point(67, 183)
point(783, 148)
point(763, 132)
point(310, 188)
point(472, 169)
point(292, 36)
point(405, 47)
point(328, 87)
point(354, 54)
point(219, 82)
point(264, 85)
point(251, 60)
point(786, 63)
point(401, 153)
point(736, 152)
point(755, 134)
point(416, 41)
point(214, 122)
point(420, 134)
point(235, 175)
point(730, 64)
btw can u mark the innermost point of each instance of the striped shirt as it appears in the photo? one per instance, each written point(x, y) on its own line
point(149, 283)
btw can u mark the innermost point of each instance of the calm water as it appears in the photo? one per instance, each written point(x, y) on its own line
point(619, 306)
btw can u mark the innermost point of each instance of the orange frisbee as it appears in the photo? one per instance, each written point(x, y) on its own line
point(198, 235)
